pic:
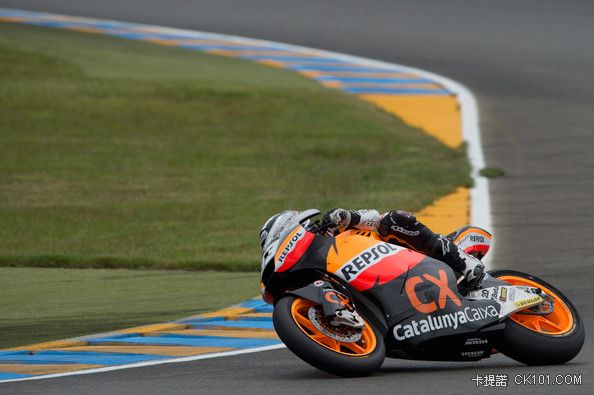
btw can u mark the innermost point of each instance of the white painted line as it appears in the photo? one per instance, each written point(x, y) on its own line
point(149, 363)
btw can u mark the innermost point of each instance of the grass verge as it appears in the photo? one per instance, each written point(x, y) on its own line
point(118, 153)
point(49, 304)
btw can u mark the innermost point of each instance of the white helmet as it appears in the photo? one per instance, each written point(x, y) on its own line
point(277, 228)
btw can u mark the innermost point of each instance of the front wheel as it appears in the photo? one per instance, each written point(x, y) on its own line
point(534, 339)
point(342, 351)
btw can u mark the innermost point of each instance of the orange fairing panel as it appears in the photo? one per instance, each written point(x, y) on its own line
point(366, 261)
point(348, 245)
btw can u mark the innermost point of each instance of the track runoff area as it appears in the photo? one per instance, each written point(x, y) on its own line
point(439, 106)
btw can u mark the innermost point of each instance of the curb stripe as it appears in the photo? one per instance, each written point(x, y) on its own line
point(7, 377)
point(244, 333)
point(183, 340)
point(337, 68)
point(171, 351)
point(39, 369)
point(372, 79)
point(246, 327)
point(70, 357)
point(391, 91)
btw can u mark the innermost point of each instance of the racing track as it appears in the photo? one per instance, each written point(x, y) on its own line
point(530, 66)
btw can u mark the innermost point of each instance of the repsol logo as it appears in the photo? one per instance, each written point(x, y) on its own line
point(477, 239)
point(290, 246)
point(366, 259)
point(444, 321)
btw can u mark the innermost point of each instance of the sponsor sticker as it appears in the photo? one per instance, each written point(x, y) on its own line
point(298, 235)
point(527, 302)
point(292, 249)
point(475, 341)
point(445, 292)
point(477, 238)
point(369, 257)
point(503, 294)
point(472, 354)
point(511, 294)
point(444, 321)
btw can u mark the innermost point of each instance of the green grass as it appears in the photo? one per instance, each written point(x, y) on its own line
point(122, 154)
point(51, 304)
point(118, 153)
point(492, 172)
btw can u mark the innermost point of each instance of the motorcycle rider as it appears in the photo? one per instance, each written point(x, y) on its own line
point(395, 226)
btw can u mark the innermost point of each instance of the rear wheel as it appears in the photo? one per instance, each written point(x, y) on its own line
point(541, 339)
point(342, 350)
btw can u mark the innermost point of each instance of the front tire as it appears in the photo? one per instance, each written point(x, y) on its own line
point(551, 339)
point(342, 358)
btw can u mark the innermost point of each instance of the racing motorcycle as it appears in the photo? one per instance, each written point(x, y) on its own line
point(344, 303)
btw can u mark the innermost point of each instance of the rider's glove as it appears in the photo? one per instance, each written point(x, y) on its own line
point(336, 220)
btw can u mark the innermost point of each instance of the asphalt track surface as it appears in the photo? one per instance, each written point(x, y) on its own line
point(529, 63)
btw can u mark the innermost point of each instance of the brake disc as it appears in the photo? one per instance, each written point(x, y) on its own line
point(341, 333)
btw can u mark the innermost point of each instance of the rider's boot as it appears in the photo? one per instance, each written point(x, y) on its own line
point(473, 269)
point(469, 266)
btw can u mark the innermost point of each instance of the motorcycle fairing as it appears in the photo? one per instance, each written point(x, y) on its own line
point(417, 294)
point(292, 248)
point(425, 315)
point(367, 261)
point(424, 303)
point(456, 347)
point(413, 289)
point(298, 265)
point(360, 258)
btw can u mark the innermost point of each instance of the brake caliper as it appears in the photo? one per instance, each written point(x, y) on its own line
point(347, 318)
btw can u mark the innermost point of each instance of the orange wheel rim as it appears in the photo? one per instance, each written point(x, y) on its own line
point(557, 323)
point(365, 345)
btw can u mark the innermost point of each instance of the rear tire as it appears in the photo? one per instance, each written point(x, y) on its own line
point(533, 347)
point(330, 361)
